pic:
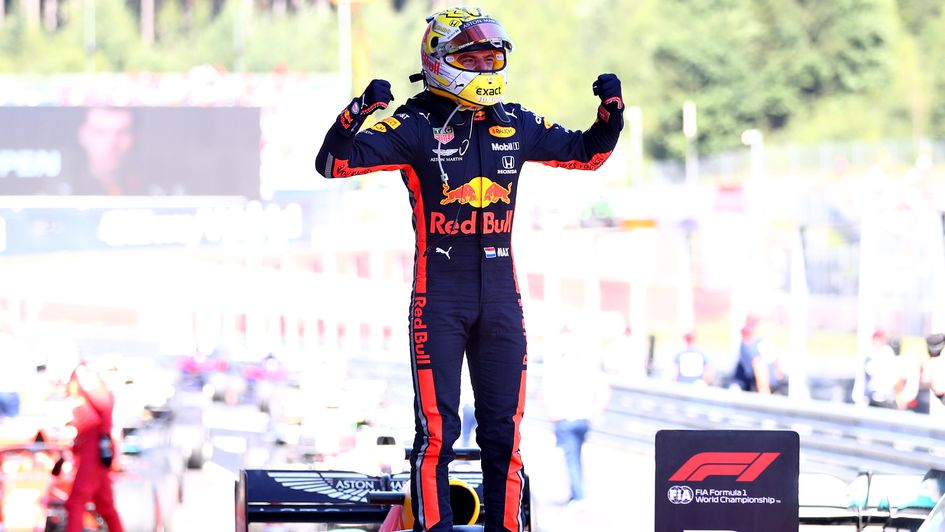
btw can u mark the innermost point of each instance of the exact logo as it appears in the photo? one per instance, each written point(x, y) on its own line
point(679, 494)
point(493, 91)
point(745, 466)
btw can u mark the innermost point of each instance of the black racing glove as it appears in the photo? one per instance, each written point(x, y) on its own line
point(607, 87)
point(376, 96)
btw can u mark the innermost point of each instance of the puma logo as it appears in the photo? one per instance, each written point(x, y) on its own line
point(446, 252)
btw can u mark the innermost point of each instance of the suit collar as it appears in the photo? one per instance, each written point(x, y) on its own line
point(442, 107)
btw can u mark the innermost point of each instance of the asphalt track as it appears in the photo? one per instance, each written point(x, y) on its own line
point(619, 483)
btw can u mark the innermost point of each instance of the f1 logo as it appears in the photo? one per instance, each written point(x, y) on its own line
point(508, 162)
point(745, 466)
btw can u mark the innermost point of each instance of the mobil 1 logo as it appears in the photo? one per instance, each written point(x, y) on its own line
point(736, 480)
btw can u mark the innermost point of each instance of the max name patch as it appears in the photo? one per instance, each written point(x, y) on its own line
point(492, 252)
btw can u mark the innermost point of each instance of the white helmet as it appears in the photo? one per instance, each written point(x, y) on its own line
point(453, 32)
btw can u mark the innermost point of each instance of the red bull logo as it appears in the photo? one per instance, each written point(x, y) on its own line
point(419, 330)
point(441, 225)
point(478, 192)
point(496, 193)
point(431, 65)
point(462, 194)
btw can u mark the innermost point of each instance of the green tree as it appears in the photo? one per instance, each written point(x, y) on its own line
point(936, 64)
point(805, 70)
point(710, 62)
point(918, 16)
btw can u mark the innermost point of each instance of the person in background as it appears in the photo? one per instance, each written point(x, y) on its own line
point(935, 371)
point(770, 377)
point(93, 449)
point(908, 377)
point(107, 138)
point(574, 391)
point(625, 355)
point(759, 367)
point(691, 364)
point(925, 396)
point(880, 372)
point(744, 377)
point(16, 372)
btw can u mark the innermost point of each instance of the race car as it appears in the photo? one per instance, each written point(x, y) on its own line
point(149, 484)
point(873, 501)
point(188, 427)
point(935, 522)
point(262, 380)
point(35, 481)
point(37, 472)
point(343, 499)
point(211, 374)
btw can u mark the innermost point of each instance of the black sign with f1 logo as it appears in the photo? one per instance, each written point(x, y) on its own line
point(727, 481)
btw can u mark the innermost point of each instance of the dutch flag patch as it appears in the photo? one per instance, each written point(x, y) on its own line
point(490, 252)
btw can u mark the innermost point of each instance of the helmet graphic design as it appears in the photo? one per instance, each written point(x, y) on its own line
point(453, 32)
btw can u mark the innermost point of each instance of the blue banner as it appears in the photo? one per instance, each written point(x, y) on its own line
point(54, 230)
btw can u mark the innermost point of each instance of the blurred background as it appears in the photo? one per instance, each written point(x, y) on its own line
point(775, 202)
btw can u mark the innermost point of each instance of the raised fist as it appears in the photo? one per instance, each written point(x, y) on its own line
point(607, 87)
point(376, 96)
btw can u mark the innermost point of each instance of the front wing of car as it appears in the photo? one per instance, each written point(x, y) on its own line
point(879, 502)
point(335, 497)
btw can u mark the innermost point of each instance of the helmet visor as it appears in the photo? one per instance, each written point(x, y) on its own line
point(485, 30)
point(473, 60)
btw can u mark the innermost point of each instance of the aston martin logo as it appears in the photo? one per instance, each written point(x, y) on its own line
point(340, 486)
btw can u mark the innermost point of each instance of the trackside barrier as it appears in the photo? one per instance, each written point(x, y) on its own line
point(849, 436)
point(876, 438)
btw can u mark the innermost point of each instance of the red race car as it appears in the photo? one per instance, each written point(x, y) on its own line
point(35, 480)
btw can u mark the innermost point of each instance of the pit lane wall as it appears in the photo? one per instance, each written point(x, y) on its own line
point(105, 224)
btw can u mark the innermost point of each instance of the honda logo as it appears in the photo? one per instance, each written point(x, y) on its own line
point(508, 162)
point(745, 466)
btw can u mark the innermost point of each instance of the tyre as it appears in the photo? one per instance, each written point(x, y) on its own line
point(136, 502)
point(195, 460)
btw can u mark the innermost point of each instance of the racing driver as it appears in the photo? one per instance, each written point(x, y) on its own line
point(460, 148)
point(93, 448)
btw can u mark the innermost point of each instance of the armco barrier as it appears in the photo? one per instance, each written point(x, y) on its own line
point(849, 436)
point(835, 437)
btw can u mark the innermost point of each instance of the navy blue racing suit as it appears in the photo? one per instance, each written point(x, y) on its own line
point(465, 293)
